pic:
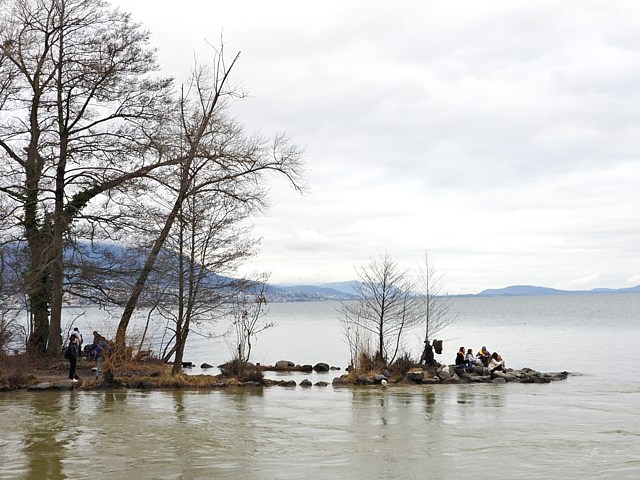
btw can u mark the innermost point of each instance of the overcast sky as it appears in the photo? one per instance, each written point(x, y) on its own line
point(503, 137)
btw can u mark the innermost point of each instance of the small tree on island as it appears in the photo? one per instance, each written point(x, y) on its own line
point(384, 311)
point(248, 316)
point(391, 304)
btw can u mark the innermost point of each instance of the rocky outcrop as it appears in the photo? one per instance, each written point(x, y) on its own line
point(449, 374)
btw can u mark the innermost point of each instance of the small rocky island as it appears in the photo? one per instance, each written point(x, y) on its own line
point(450, 374)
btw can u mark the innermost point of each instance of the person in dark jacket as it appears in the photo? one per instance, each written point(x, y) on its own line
point(72, 355)
point(460, 357)
point(427, 355)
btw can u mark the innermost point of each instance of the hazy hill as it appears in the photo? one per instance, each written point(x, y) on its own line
point(515, 290)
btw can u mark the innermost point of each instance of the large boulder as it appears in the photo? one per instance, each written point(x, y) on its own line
point(415, 375)
point(285, 364)
point(305, 383)
point(287, 383)
point(321, 367)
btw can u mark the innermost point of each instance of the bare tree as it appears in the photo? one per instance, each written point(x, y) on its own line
point(434, 306)
point(216, 158)
point(248, 313)
point(208, 241)
point(80, 107)
point(386, 306)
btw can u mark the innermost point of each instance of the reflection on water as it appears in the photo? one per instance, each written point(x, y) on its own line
point(444, 431)
point(45, 439)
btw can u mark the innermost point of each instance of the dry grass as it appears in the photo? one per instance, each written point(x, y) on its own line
point(22, 371)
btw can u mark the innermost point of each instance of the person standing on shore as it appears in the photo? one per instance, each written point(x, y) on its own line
point(72, 355)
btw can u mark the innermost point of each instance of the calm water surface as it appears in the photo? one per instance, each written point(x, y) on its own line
point(585, 427)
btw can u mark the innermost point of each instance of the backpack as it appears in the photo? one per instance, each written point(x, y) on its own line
point(67, 353)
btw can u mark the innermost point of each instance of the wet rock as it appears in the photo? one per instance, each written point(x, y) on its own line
point(335, 368)
point(285, 364)
point(431, 381)
point(255, 384)
point(321, 367)
point(342, 381)
point(305, 383)
point(287, 383)
point(415, 375)
point(41, 386)
point(206, 365)
point(306, 368)
point(321, 384)
point(187, 365)
point(364, 380)
point(498, 380)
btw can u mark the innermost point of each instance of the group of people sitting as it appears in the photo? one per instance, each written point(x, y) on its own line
point(493, 361)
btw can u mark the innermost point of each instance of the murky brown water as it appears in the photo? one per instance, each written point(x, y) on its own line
point(508, 431)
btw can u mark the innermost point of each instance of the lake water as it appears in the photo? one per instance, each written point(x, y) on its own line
point(585, 427)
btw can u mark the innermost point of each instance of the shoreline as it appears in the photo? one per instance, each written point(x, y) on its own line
point(47, 374)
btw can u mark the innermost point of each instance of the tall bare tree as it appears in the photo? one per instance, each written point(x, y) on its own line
point(208, 241)
point(80, 107)
point(386, 306)
point(218, 161)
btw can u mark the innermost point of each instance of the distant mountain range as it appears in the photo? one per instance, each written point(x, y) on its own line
point(516, 290)
point(347, 291)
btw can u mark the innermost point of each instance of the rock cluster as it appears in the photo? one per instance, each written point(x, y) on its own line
point(449, 374)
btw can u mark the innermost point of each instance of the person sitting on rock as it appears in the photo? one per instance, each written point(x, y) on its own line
point(496, 364)
point(484, 356)
point(470, 360)
point(460, 357)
